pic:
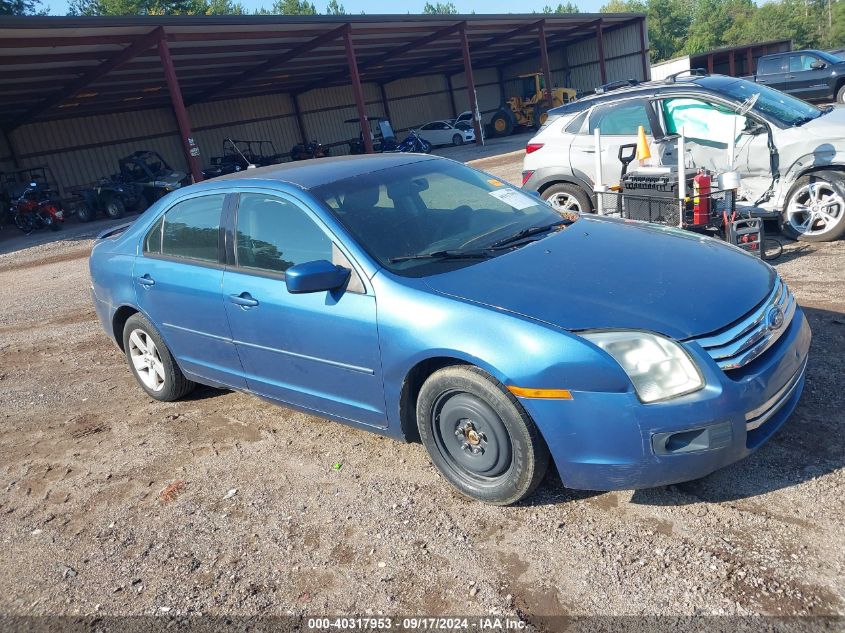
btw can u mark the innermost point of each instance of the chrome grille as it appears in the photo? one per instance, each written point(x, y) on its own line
point(739, 344)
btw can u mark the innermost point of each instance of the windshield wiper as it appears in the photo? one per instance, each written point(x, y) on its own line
point(443, 255)
point(532, 230)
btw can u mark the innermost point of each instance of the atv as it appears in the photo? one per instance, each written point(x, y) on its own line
point(239, 155)
point(111, 197)
point(151, 172)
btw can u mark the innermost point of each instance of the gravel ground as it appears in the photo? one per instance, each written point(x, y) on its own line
point(111, 503)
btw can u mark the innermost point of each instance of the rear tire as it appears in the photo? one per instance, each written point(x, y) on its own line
point(457, 140)
point(151, 362)
point(815, 208)
point(567, 198)
point(840, 95)
point(502, 123)
point(479, 437)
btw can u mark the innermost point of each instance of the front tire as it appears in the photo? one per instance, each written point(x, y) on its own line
point(502, 123)
point(840, 95)
point(151, 362)
point(815, 208)
point(457, 140)
point(479, 437)
point(566, 198)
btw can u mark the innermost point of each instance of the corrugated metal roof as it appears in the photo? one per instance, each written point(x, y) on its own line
point(44, 59)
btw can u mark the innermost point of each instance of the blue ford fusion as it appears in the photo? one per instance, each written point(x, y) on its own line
point(419, 298)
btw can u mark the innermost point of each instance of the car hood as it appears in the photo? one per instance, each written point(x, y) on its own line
point(600, 273)
point(829, 126)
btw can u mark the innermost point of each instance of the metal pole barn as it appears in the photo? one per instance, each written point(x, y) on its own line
point(544, 63)
point(192, 150)
point(470, 82)
point(358, 90)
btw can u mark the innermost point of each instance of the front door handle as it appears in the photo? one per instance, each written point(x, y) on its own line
point(146, 280)
point(244, 300)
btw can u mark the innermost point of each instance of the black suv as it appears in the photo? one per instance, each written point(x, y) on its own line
point(811, 75)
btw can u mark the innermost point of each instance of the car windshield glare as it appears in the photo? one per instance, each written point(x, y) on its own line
point(429, 207)
point(773, 103)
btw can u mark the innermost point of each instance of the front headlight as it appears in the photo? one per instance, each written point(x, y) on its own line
point(658, 367)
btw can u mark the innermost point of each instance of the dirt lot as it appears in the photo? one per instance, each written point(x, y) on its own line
point(221, 504)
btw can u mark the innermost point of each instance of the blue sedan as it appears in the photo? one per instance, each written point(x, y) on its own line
point(416, 297)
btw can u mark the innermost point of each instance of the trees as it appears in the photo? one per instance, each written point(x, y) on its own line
point(447, 8)
point(334, 8)
point(569, 7)
point(20, 7)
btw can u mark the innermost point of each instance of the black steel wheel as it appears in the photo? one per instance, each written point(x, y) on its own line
point(479, 437)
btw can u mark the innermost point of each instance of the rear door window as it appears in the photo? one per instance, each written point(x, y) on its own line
point(191, 229)
point(771, 65)
point(621, 119)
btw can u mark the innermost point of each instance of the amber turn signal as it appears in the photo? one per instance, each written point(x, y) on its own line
point(551, 394)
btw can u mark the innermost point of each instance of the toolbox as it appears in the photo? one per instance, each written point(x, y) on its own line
point(651, 194)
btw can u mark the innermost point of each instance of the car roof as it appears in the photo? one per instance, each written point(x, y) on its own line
point(707, 83)
point(308, 174)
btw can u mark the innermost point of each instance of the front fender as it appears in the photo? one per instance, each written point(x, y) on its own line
point(825, 157)
point(418, 324)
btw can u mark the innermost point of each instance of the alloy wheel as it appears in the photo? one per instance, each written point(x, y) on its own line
point(564, 202)
point(815, 209)
point(146, 360)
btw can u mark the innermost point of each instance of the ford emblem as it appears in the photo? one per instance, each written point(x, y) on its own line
point(774, 318)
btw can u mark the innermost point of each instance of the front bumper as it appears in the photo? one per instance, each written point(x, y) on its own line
point(611, 441)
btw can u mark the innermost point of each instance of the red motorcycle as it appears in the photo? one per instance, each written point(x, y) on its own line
point(33, 211)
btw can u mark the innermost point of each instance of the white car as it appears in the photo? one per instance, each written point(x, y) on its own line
point(446, 133)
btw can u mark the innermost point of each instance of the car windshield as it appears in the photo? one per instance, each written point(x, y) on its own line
point(772, 103)
point(827, 57)
point(432, 216)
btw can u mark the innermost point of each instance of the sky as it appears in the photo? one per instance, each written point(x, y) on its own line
point(59, 7)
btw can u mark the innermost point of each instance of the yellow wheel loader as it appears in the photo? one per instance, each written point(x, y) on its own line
point(530, 109)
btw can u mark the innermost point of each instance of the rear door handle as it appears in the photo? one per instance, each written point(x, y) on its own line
point(146, 280)
point(244, 300)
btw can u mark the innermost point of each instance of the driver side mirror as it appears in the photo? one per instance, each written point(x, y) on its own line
point(818, 65)
point(316, 276)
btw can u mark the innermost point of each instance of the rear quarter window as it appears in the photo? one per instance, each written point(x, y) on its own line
point(770, 65)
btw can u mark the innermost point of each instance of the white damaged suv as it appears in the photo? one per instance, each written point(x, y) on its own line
point(790, 154)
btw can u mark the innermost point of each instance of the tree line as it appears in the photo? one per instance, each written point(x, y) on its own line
point(675, 27)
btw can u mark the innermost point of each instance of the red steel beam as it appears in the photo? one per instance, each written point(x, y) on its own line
point(644, 51)
point(358, 91)
point(68, 91)
point(600, 42)
point(732, 64)
point(710, 63)
point(273, 62)
point(188, 143)
point(470, 82)
point(544, 63)
point(300, 123)
point(488, 42)
point(749, 60)
point(387, 56)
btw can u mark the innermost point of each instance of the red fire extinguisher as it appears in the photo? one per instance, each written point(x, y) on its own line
point(701, 197)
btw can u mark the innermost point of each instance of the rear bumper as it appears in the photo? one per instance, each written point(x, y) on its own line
point(611, 441)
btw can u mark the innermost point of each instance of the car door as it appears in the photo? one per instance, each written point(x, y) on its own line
point(178, 276)
point(619, 124)
point(708, 126)
point(434, 133)
point(809, 82)
point(772, 71)
point(317, 350)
